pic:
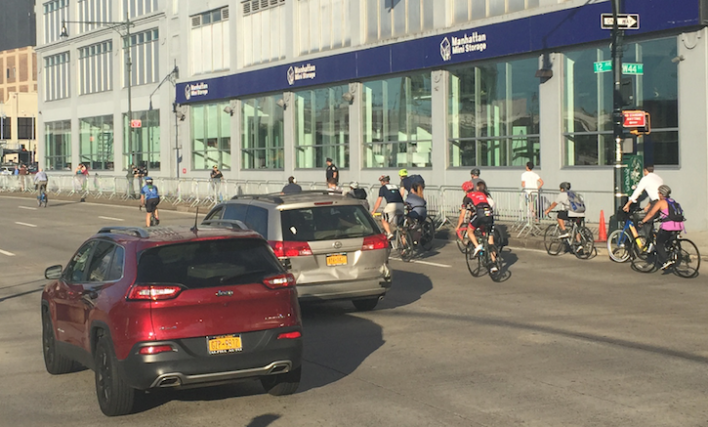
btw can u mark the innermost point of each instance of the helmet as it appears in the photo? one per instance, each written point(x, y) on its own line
point(354, 185)
point(384, 178)
point(475, 171)
point(664, 190)
point(565, 186)
point(403, 172)
point(467, 186)
point(148, 180)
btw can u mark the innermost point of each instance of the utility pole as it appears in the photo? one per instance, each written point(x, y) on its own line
point(617, 101)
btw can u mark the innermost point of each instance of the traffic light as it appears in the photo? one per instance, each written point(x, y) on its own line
point(627, 91)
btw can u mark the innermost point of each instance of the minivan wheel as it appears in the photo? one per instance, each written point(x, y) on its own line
point(55, 362)
point(366, 304)
point(115, 397)
point(282, 384)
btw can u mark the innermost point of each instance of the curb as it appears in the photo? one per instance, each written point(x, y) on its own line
point(104, 201)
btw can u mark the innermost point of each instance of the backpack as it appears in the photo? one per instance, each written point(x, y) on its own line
point(576, 202)
point(675, 211)
point(416, 179)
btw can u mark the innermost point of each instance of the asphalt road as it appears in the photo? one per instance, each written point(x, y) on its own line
point(563, 342)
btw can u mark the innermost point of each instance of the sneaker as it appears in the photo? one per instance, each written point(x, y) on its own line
point(157, 221)
point(564, 235)
point(477, 250)
point(580, 248)
point(494, 269)
point(389, 236)
point(667, 264)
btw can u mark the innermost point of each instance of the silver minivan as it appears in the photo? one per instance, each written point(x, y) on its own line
point(332, 244)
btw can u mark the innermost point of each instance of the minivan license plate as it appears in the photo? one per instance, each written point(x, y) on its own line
point(336, 259)
point(223, 344)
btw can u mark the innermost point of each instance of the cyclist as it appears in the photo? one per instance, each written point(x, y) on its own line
point(40, 179)
point(565, 214)
point(418, 206)
point(650, 183)
point(150, 198)
point(667, 229)
point(481, 207)
point(394, 204)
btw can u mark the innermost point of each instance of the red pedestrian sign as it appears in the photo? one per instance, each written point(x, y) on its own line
point(136, 123)
point(635, 119)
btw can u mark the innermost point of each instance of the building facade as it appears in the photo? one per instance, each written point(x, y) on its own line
point(17, 24)
point(271, 88)
point(18, 105)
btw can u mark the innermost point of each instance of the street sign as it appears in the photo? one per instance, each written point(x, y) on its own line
point(184, 170)
point(635, 118)
point(627, 68)
point(625, 21)
point(632, 172)
point(136, 123)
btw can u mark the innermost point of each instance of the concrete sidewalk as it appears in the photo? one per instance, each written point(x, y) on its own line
point(527, 241)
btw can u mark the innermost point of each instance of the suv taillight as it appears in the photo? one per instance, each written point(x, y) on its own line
point(372, 243)
point(290, 249)
point(279, 282)
point(154, 292)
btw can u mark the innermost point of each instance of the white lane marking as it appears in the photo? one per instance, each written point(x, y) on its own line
point(26, 225)
point(6, 253)
point(28, 208)
point(110, 218)
point(433, 264)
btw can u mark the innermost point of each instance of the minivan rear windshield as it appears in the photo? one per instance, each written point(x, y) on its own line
point(327, 223)
point(209, 263)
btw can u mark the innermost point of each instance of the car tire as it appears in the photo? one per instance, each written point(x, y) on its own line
point(55, 362)
point(282, 384)
point(115, 396)
point(366, 304)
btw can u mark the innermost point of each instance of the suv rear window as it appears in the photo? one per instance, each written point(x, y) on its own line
point(209, 263)
point(327, 223)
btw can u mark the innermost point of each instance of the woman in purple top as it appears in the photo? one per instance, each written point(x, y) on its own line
point(667, 229)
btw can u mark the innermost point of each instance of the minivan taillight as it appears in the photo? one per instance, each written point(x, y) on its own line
point(154, 292)
point(280, 281)
point(372, 243)
point(290, 249)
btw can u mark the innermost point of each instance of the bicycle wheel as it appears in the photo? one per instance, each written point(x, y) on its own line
point(497, 264)
point(475, 264)
point(584, 249)
point(498, 239)
point(551, 241)
point(643, 259)
point(688, 259)
point(427, 234)
point(461, 245)
point(619, 246)
point(404, 242)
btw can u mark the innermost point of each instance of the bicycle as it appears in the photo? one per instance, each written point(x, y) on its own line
point(580, 239)
point(488, 260)
point(153, 221)
point(42, 198)
point(429, 227)
point(408, 236)
point(683, 252)
point(619, 242)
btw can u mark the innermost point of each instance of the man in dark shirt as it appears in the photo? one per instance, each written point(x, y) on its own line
point(394, 204)
point(332, 171)
point(292, 187)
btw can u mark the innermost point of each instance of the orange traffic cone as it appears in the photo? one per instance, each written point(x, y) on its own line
point(603, 229)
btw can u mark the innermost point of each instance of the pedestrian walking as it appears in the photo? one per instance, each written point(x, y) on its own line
point(332, 172)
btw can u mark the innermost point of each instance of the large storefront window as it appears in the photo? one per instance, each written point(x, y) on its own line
point(493, 114)
point(96, 142)
point(397, 121)
point(588, 104)
point(321, 127)
point(211, 136)
point(262, 130)
point(57, 136)
point(146, 140)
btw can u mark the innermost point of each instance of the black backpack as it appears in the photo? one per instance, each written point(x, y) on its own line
point(675, 211)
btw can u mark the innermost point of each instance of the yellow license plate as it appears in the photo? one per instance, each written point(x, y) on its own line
point(223, 344)
point(336, 259)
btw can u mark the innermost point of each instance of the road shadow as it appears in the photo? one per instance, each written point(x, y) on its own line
point(21, 294)
point(406, 289)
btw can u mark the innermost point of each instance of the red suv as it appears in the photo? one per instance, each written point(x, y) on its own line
point(172, 307)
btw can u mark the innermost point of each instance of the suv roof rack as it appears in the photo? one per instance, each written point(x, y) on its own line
point(280, 198)
point(136, 231)
point(232, 223)
point(275, 198)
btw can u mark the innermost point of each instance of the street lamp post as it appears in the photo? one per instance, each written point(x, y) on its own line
point(617, 101)
point(172, 78)
point(118, 26)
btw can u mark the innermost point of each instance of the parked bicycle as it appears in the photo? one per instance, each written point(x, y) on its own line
point(580, 240)
point(683, 252)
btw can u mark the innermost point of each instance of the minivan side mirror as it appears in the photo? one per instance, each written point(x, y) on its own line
point(53, 272)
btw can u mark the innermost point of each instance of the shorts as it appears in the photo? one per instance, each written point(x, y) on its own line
point(151, 204)
point(393, 213)
point(566, 217)
point(486, 222)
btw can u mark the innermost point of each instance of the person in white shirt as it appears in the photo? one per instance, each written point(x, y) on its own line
point(650, 183)
point(530, 181)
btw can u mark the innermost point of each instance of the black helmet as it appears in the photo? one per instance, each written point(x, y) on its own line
point(565, 186)
point(475, 171)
